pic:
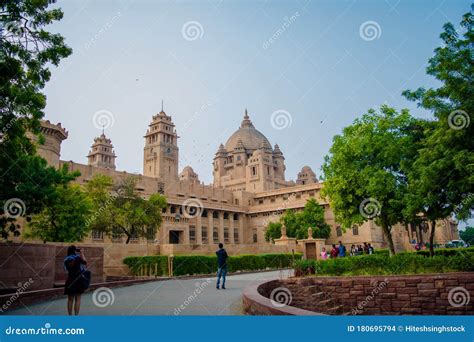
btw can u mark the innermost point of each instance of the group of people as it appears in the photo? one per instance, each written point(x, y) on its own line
point(339, 251)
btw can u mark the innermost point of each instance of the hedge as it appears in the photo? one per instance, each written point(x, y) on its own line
point(402, 263)
point(204, 264)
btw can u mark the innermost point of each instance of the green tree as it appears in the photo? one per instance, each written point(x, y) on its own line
point(297, 224)
point(64, 217)
point(273, 231)
point(100, 191)
point(365, 172)
point(442, 178)
point(27, 51)
point(128, 212)
point(467, 235)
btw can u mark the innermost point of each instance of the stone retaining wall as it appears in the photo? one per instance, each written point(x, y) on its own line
point(427, 294)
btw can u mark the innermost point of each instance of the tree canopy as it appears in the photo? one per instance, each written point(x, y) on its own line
point(297, 223)
point(27, 51)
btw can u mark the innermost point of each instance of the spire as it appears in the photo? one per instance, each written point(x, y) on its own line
point(246, 121)
point(162, 106)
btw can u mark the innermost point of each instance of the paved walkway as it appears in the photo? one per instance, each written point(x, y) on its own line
point(197, 296)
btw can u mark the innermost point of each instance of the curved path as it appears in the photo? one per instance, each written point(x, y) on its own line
point(196, 296)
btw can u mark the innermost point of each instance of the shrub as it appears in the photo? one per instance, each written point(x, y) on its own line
point(204, 264)
point(402, 263)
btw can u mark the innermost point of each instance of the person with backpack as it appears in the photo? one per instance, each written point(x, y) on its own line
point(77, 278)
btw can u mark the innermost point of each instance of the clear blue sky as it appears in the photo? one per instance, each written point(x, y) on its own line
point(129, 55)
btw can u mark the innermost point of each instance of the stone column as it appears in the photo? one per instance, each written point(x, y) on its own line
point(221, 226)
point(199, 228)
point(241, 228)
point(231, 228)
point(210, 228)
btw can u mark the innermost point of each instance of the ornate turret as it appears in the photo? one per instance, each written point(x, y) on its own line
point(188, 175)
point(160, 157)
point(306, 176)
point(53, 137)
point(102, 153)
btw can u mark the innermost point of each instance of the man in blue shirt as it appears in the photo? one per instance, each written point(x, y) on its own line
point(222, 266)
point(342, 250)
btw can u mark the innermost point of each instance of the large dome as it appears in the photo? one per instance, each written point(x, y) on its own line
point(251, 138)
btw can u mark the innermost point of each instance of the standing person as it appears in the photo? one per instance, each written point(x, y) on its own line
point(324, 254)
point(353, 250)
point(371, 249)
point(222, 266)
point(342, 250)
point(74, 287)
point(366, 248)
point(334, 251)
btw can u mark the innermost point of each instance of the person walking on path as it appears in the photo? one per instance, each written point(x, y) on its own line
point(222, 266)
point(74, 287)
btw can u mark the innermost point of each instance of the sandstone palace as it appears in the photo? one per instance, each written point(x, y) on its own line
point(249, 190)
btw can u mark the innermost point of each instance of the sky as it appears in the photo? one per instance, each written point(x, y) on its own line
point(303, 69)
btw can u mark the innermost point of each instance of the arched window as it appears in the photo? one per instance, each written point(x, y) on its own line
point(338, 231)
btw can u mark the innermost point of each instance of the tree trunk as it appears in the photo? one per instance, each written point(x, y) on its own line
point(388, 236)
point(432, 234)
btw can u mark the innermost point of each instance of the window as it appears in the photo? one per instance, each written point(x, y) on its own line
point(97, 235)
point(254, 171)
point(236, 217)
point(226, 235)
point(116, 235)
point(226, 216)
point(204, 235)
point(255, 237)
point(338, 231)
point(215, 235)
point(150, 233)
point(355, 230)
point(192, 234)
point(204, 213)
point(215, 214)
point(236, 235)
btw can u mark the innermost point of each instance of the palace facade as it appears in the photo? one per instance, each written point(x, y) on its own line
point(249, 190)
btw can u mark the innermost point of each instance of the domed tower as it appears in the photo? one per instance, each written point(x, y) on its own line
point(102, 153)
point(161, 153)
point(306, 176)
point(188, 175)
point(237, 167)
point(53, 137)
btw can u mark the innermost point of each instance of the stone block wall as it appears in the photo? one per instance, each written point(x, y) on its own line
point(424, 294)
